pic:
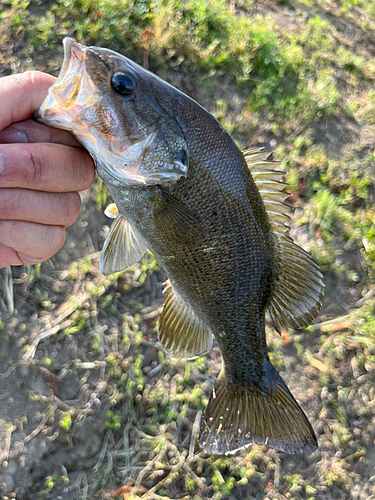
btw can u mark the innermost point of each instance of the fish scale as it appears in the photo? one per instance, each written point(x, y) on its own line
point(214, 219)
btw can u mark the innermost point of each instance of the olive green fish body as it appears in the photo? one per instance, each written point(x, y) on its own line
point(213, 217)
point(223, 267)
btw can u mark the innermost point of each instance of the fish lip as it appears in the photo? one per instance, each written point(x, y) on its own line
point(67, 87)
point(68, 81)
point(73, 60)
point(73, 53)
point(67, 44)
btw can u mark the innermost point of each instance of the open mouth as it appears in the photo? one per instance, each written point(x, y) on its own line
point(66, 88)
point(73, 55)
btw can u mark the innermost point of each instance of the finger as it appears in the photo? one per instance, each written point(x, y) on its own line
point(9, 257)
point(21, 95)
point(45, 167)
point(32, 242)
point(32, 131)
point(57, 209)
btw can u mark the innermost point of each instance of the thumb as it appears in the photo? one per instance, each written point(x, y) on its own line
point(21, 95)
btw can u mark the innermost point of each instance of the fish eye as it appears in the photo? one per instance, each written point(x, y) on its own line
point(122, 84)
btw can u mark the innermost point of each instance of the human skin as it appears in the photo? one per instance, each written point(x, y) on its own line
point(41, 171)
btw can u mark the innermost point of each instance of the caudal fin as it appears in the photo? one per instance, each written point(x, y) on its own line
point(237, 416)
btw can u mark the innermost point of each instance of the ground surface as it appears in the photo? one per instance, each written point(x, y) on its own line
point(90, 406)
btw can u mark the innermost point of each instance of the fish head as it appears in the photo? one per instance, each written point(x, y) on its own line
point(125, 116)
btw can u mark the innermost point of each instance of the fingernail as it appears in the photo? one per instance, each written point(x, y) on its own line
point(2, 163)
point(11, 135)
point(26, 259)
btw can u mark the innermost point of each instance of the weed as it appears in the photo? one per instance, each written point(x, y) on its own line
point(113, 421)
point(66, 420)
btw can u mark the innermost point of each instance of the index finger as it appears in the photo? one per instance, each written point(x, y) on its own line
point(21, 95)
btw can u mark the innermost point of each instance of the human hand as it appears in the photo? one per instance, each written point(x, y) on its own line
point(41, 171)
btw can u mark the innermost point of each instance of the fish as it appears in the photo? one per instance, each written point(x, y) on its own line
point(214, 218)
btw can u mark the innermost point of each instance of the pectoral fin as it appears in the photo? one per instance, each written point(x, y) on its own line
point(175, 219)
point(180, 331)
point(122, 248)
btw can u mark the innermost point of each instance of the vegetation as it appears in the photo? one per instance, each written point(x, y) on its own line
point(297, 76)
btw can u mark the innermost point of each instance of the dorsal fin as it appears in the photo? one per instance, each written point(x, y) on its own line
point(181, 332)
point(298, 294)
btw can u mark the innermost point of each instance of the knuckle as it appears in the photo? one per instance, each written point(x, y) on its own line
point(9, 233)
point(34, 172)
point(24, 83)
point(10, 202)
point(14, 201)
point(21, 80)
point(37, 241)
point(34, 77)
point(31, 76)
point(8, 257)
point(12, 231)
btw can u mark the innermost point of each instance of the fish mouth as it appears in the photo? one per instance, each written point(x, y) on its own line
point(64, 92)
point(66, 88)
point(72, 91)
point(81, 102)
point(73, 55)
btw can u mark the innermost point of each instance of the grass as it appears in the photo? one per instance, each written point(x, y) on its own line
point(296, 75)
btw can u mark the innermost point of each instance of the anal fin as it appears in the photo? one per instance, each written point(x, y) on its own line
point(122, 247)
point(180, 331)
point(239, 415)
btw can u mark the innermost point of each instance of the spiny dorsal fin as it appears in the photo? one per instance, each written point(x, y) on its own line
point(122, 247)
point(270, 187)
point(180, 331)
point(239, 414)
point(298, 294)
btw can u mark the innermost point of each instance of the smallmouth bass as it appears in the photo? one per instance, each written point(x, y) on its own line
point(214, 218)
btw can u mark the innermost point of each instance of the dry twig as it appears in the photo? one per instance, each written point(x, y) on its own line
point(194, 433)
point(55, 327)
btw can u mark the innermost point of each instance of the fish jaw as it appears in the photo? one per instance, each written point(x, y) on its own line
point(127, 146)
point(70, 93)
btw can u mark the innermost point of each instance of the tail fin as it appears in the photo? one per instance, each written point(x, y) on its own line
point(238, 415)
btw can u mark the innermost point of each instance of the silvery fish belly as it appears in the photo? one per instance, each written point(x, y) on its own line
point(214, 218)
